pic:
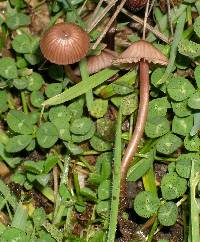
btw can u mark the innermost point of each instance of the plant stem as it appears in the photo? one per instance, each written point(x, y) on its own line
point(116, 181)
point(145, 20)
point(85, 76)
point(119, 8)
point(140, 123)
point(70, 74)
point(173, 52)
point(24, 104)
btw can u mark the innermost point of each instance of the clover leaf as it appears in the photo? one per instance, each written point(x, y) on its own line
point(157, 126)
point(158, 107)
point(168, 144)
point(181, 109)
point(197, 26)
point(184, 164)
point(99, 108)
point(189, 48)
point(146, 204)
point(192, 143)
point(179, 88)
point(19, 122)
point(194, 100)
point(8, 68)
point(15, 20)
point(173, 186)
point(182, 126)
point(167, 214)
point(18, 143)
point(47, 135)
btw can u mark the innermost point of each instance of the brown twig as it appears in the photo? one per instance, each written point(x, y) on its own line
point(101, 16)
point(55, 181)
point(119, 8)
point(148, 26)
point(95, 12)
point(170, 17)
point(145, 20)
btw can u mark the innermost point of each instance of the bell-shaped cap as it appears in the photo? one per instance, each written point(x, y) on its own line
point(64, 43)
point(99, 62)
point(142, 50)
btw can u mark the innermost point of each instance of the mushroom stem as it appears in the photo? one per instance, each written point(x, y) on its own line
point(140, 123)
point(69, 73)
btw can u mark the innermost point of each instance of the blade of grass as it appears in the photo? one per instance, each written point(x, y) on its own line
point(116, 181)
point(194, 203)
point(163, 23)
point(149, 181)
point(197, 4)
point(81, 88)
point(177, 37)
point(7, 194)
point(85, 76)
point(20, 218)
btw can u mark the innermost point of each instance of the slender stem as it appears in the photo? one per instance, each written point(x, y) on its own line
point(140, 123)
point(95, 12)
point(119, 8)
point(69, 73)
point(92, 25)
point(24, 104)
point(55, 181)
point(116, 181)
point(85, 75)
point(170, 17)
point(148, 26)
point(145, 20)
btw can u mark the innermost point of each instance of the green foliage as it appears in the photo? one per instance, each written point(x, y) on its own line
point(47, 135)
point(15, 20)
point(99, 144)
point(157, 126)
point(189, 48)
point(173, 186)
point(197, 26)
point(53, 89)
point(167, 214)
point(81, 126)
point(141, 167)
point(194, 101)
point(146, 204)
point(182, 126)
point(99, 108)
point(158, 107)
point(179, 88)
point(19, 122)
point(18, 143)
point(168, 144)
point(63, 162)
point(8, 68)
point(181, 109)
point(184, 164)
point(197, 75)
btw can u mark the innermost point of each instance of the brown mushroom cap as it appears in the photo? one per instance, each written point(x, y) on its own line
point(142, 50)
point(99, 62)
point(64, 43)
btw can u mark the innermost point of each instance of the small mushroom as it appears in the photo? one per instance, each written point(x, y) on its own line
point(64, 43)
point(136, 5)
point(144, 53)
point(99, 62)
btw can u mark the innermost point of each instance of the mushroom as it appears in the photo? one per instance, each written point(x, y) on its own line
point(136, 5)
point(64, 44)
point(144, 53)
point(99, 62)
